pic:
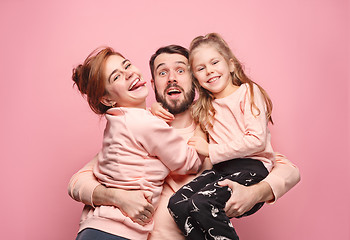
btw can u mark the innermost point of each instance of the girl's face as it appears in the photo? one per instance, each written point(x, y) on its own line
point(212, 71)
point(124, 84)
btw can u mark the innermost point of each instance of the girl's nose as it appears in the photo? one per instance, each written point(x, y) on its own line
point(209, 70)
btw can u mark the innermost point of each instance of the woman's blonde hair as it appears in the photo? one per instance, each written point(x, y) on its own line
point(203, 111)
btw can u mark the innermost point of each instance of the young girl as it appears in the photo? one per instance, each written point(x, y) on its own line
point(139, 150)
point(234, 111)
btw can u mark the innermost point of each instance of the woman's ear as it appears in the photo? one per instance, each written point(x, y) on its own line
point(108, 102)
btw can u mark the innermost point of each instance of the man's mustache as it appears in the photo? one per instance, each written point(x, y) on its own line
point(171, 85)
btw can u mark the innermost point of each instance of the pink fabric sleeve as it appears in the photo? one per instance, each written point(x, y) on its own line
point(255, 133)
point(83, 183)
point(162, 141)
point(283, 176)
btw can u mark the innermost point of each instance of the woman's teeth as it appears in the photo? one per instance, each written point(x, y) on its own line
point(133, 84)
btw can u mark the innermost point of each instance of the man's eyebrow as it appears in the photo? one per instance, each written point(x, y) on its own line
point(177, 62)
point(181, 62)
point(116, 70)
point(159, 65)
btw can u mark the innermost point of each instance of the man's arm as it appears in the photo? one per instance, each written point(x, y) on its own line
point(281, 179)
point(84, 187)
point(83, 183)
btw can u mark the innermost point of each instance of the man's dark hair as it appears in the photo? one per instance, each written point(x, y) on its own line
point(171, 49)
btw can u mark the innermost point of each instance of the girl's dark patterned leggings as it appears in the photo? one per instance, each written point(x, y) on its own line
point(198, 207)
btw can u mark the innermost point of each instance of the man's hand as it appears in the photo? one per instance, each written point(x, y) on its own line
point(158, 111)
point(135, 204)
point(201, 146)
point(244, 198)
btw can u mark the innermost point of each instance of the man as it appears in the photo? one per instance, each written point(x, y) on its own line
point(174, 90)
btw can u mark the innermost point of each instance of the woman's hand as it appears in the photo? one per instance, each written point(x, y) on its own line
point(243, 198)
point(135, 204)
point(158, 111)
point(201, 146)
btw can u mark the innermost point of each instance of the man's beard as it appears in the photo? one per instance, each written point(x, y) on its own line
point(176, 106)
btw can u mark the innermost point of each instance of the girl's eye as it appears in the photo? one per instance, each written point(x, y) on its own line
point(215, 62)
point(200, 69)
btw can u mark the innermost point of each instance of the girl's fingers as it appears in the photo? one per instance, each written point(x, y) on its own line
point(167, 113)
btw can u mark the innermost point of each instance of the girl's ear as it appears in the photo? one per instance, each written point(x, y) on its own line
point(232, 65)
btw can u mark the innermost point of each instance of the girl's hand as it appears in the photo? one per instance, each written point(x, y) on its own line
point(201, 146)
point(158, 111)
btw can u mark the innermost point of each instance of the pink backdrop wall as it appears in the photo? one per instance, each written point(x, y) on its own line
point(298, 50)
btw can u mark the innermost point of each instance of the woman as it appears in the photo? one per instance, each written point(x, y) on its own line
point(132, 157)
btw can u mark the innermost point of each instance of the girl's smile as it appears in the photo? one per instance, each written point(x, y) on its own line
point(212, 71)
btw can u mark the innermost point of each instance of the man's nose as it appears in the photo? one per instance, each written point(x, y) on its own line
point(171, 77)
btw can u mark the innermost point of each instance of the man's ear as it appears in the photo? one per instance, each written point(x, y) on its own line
point(152, 82)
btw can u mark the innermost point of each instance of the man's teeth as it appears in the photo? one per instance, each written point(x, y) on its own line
point(134, 83)
point(173, 91)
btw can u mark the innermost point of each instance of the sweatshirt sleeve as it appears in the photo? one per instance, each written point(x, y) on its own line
point(283, 176)
point(164, 142)
point(83, 183)
point(254, 133)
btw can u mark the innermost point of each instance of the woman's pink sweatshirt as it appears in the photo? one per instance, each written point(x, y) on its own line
point(139, 150)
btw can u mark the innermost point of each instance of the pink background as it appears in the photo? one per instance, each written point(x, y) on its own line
point(297, 50)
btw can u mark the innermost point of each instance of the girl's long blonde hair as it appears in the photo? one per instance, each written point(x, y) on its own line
point(203, 111)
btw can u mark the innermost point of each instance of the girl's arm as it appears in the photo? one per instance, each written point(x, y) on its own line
point(162, 113)
point(160, 140)
point(84, 187)
point(254, 137)
point(283, 176)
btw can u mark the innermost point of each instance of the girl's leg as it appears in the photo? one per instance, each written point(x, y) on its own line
point(208, 210)
point(210, 201)
point(180, 202)
point(93, 234)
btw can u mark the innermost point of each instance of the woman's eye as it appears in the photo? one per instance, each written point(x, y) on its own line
point(200, 69)
point(127, 65)
point(180, 71)
point(116, 77)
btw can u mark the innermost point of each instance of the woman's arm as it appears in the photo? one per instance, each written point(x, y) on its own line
point(84, 187)
point(281, 179)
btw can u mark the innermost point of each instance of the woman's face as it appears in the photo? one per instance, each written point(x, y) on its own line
point(124, 84)
point(212, 71)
